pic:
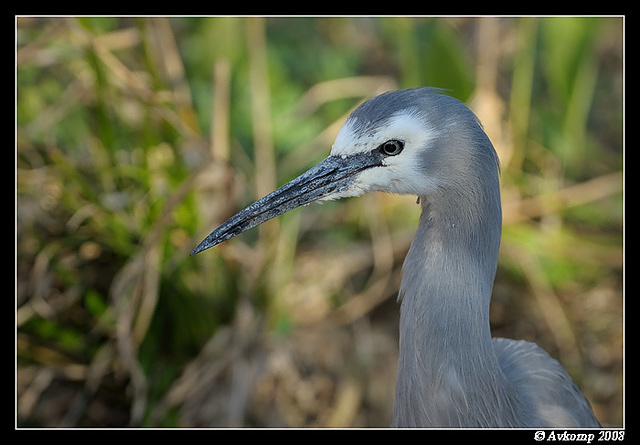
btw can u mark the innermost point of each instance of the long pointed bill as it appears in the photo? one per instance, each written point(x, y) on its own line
point(331, 178)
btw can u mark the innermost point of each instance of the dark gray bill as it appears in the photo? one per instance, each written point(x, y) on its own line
point(333, 175)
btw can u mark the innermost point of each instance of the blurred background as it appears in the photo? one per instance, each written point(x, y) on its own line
point(137, 136)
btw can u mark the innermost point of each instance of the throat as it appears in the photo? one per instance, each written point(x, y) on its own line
point(448, 274)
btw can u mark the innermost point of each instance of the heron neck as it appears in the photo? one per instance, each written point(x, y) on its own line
point(445, 339)
point(449, 271)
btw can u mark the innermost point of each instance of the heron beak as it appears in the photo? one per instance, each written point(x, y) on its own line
point(331, 177)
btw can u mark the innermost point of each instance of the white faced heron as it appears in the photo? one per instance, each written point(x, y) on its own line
point(451, 372)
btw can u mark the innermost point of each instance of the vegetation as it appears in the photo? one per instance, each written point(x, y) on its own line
point(137, 136)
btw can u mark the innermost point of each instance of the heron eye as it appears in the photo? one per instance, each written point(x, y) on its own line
point(392, 147)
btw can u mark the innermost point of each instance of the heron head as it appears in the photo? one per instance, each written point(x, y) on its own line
point(427, 142)
point(399, 142)
point(394, 130)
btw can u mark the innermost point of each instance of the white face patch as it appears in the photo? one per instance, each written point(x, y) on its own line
point(401, 173)
point(404, 126)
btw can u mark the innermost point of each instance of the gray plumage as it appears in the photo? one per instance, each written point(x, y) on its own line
point(451, 372)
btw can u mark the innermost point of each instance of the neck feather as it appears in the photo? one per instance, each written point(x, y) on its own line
point(445, 340)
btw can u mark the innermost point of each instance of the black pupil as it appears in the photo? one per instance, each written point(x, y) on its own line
point(392, 147)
